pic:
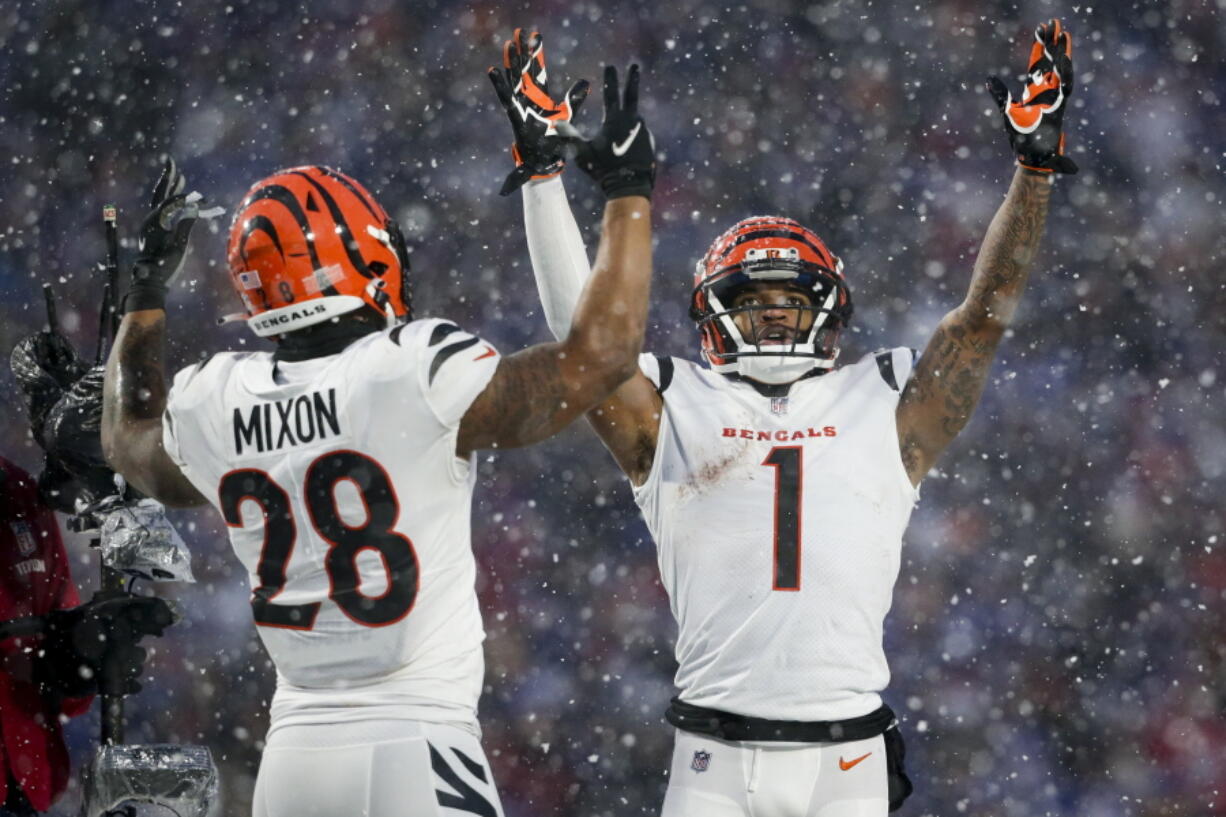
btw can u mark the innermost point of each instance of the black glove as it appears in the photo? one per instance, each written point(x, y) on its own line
point(163, 240)
point(72, 435)
point(45, 365)
point(1034, 122)
point(94, 647)
point(524, 93)
point(621, 157)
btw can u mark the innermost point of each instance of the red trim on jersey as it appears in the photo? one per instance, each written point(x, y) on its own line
point(779, 499)
point(387, 567)
point(238, 511)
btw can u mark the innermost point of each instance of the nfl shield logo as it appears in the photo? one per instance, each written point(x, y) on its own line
point(26, 544)
point(779, 405)
point(701, 761)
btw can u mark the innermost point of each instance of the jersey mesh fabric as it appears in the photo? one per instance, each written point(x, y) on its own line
point(772, 626)
point(394, 399)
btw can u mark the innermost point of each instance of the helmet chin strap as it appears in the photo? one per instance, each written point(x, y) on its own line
point(778, 369)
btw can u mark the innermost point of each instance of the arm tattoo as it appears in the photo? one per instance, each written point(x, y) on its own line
point(524, 402)
point(950, 376)
point(1009, 248)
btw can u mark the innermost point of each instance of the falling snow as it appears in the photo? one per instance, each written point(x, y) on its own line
point(1056, 634)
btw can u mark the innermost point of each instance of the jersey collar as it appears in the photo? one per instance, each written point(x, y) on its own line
point(322, 340)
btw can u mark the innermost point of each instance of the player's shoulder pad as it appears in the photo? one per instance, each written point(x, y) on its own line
point(195, 383)
point(659, 369)
point(432, 342)
point(895, 365)
point(391, 353)
point(425, 332)
point(453, 367)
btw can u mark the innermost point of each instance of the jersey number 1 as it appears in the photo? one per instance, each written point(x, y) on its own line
point(789, 481)
point(345, 542)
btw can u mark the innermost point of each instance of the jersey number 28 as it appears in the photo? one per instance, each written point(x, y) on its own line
point(345, 542)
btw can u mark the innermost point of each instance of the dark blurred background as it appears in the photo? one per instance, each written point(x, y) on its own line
point(1056, 638)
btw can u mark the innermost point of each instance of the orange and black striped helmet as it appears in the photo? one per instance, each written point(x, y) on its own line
point(769, 249)
point(308, 244)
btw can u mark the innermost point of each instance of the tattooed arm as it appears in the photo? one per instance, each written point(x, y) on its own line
point(628, 422)
point(537, 392)
point(134, 397)
point(950, 375)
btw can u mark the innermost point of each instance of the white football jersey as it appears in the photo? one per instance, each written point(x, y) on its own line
point(779, 525)
point(345, 500)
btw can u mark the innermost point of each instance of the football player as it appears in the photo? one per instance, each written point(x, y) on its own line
point(777, 486)
point(343, 463)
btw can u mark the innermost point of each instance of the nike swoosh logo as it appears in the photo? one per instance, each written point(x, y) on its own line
point(619, 149)
point(489, 352)
point(847, 764)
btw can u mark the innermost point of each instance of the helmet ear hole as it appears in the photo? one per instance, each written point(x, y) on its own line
point(378, 268)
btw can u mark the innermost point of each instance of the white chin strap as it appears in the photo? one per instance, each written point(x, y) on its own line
point(776, 369)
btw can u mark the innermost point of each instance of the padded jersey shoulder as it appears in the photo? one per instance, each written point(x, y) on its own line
point(893, 366)
point(196, 383)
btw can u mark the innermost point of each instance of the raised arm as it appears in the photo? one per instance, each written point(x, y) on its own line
point(134, 398)
point(134, 392)
point(949, 378)
point(628, 421)
point(537, 392)
point(950, 375)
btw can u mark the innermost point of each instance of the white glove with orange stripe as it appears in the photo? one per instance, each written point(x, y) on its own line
point(523, 90)
point(1034, 121)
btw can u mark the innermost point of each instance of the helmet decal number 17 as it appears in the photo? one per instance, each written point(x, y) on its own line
point(789, 483)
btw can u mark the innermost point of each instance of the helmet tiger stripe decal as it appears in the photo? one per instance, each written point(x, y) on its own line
point(308, 244)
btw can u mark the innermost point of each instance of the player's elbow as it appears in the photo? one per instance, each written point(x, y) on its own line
point(623, 360)
point(120, 444)
point(610, 356)
point(112, 445)
point(117, 434)
point(611, 369)
point(118, 454)
point(623, 371)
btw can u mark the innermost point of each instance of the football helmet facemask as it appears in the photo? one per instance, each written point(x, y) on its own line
point(309, 244)
point(769, 249)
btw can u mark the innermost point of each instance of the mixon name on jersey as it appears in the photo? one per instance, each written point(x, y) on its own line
point(293, 421)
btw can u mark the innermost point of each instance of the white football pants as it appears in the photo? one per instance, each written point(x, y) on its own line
point(374, 769)
point(717, 778)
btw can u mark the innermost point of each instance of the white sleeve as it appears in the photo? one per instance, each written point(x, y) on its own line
point(179, 435)
point(170, 439)
point(559, 259)
point(177, 402)
point(904, 364)
point(455, 368)
point(895, 366)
